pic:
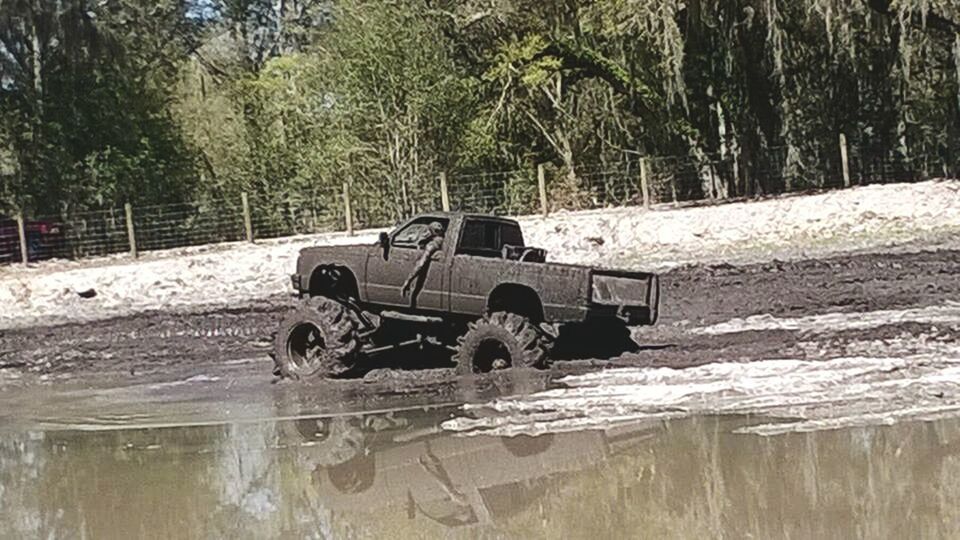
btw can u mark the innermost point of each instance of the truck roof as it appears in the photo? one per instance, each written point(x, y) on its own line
point(476, 215)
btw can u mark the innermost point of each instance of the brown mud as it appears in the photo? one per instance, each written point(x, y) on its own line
point(231, 344)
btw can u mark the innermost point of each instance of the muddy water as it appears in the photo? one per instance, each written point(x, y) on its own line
point(398, 474)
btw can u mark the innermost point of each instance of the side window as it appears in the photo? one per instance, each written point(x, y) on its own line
point(416, 233)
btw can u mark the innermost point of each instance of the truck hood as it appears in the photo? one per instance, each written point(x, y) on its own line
point(353, 256)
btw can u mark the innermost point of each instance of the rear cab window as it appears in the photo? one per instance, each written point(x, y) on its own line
point(486, 238)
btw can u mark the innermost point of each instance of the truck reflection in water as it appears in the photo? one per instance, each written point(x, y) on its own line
point(406, 460)
point(398, 475)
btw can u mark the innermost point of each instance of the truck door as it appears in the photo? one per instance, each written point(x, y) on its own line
point(385, 277)
point(478, 261)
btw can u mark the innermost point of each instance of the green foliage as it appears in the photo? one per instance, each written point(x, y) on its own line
point(149, 102)
point(85, 108)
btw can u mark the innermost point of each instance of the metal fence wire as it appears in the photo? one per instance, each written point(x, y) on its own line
point(173, 226)
point(503, 193)
point(77, 236)
point(382, 202)
point(320, 211)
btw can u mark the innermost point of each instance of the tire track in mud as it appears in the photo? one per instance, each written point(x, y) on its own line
point(712, 294)
point(153, 342)
point(171, 344)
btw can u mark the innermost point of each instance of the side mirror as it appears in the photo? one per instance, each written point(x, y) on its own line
point(384, 242)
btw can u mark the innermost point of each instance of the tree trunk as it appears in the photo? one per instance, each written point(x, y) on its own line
point(37, 61)
point(721, 187)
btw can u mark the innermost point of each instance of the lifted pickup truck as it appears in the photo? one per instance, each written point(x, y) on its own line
point(483, 295)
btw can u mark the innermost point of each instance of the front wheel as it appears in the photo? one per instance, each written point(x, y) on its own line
point(318, 339)
point(501, 340)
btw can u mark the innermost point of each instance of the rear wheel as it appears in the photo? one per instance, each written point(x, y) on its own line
point(501, 340)
point(319, 339)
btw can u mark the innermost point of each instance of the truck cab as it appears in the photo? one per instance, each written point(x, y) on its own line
point(465, 237)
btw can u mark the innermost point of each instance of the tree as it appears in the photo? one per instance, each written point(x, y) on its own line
point(86, 104)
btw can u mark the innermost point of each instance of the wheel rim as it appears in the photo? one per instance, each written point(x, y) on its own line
point(305, 346)
point(491, 354)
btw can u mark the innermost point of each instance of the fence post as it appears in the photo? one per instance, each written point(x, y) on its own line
point(844, 160)
point(542, 187)
point(673, 190)
point(22, 234)
point(644, 183)
point(131, 234)
point(247, 218)
point(347, 209)
point(444, 193)
point(736, 175)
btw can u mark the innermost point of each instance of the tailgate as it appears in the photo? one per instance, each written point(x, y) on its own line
point(637, 294)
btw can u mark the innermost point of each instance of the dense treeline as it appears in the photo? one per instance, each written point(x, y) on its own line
point(162, 101)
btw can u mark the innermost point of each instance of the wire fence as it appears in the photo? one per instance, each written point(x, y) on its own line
point(319, 211)
point(633, 181)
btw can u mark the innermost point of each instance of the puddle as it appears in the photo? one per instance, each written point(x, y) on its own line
point(400, 474)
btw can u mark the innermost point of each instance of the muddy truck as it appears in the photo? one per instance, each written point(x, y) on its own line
point(462, 286)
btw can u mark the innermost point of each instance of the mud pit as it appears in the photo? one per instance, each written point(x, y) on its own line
point(761, 406)
point(868, 307)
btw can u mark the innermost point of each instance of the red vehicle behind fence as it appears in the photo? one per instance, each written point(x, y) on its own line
point(44, 240)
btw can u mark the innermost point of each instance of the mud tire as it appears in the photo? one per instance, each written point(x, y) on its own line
point(298, 354)
point(514, 337)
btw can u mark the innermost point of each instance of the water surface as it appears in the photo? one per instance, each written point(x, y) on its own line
point(398, 474)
